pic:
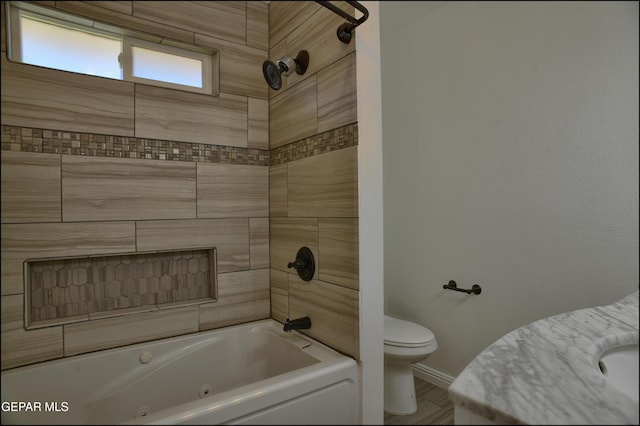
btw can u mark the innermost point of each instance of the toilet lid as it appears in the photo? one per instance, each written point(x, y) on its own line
point(398, 332)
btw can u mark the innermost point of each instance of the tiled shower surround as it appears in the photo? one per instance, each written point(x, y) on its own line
point(67, 288)
point(98, 167)
point(61, 288)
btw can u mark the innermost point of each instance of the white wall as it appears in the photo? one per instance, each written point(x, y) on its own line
point(370, 211)
point(510, 159)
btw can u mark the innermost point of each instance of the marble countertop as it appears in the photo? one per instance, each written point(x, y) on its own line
point(547, 372)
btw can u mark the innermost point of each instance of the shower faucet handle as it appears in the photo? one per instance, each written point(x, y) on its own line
point(297, 264)
point(304, 264)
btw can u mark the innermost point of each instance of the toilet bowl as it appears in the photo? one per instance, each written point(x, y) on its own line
point(405, 343)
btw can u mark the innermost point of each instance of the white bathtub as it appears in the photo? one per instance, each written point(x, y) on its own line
point(251, 373)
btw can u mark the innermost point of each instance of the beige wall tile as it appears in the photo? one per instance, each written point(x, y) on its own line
point(346, 7)
point(338, 249)
point(317, 35)
point(96, 188)
point(51, 99)
point(12, 312)
point(284, 16)
point(98, 11)
point(258, 24)
point(337, 96)
point(125, 7)
point(240, 67)
point(287, 236)
point(182, 116)
point(333, 311)
point(20, 347)
point(229, 236)
point(259, 242)
point(293, 114)
point(278, 190)
point(42, 240)
point(279, 295)
point(222, 19)
point(325, 185)
point(128, 311)
point(229, 190)
point(242, 297)
point(128, 329)
point(30, 187)
point(258, 123)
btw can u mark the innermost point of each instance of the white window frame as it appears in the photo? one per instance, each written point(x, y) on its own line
point(127, 64)
point(209, 58)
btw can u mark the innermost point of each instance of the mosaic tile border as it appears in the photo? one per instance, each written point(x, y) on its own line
point(26, 139)
point(331, 140)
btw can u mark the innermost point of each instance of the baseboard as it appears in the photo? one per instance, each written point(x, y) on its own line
point(432, 376)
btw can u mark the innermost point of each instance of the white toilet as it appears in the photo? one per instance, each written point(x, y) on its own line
point(405, 343)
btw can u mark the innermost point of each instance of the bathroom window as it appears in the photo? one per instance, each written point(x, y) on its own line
point(52, 39)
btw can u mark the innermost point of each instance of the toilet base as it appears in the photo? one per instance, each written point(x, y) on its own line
point(399, 390)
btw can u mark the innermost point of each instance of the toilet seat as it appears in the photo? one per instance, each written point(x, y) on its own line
point(406, 334)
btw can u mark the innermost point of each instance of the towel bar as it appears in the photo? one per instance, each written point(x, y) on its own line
point(475, 289)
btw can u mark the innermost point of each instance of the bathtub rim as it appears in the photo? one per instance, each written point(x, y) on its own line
point(294, 335)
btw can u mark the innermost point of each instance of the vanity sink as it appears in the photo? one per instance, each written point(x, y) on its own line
point(620, 367)
point(577, 367)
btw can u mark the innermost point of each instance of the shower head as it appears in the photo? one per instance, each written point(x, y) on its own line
point(273, 72)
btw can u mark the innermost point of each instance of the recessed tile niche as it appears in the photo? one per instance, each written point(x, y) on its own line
point(72, 289)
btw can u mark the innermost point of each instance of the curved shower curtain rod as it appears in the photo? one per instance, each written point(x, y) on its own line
point(345, 30)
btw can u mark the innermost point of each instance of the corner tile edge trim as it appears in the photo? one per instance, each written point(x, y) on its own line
point(27, 139)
